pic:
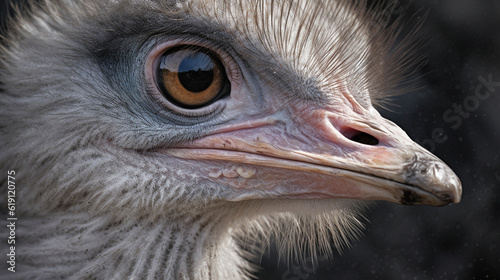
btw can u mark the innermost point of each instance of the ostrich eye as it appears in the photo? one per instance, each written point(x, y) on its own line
point(192, 77)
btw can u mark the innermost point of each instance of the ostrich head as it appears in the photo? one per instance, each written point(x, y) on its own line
point(149, 137)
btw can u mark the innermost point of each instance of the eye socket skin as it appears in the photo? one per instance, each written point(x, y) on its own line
point(191, 77)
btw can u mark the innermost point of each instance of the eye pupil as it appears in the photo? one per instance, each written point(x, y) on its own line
point(191, 77)
point(196, 72)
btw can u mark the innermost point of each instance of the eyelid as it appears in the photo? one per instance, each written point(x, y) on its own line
point(232, 69)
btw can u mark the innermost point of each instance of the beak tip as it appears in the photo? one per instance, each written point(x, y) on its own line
point(457, 194)
point(436, 178)
point(450, 197)
point(452, 191)
point(434, 193)
point(449, 193)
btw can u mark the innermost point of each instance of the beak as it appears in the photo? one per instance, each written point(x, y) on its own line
point(322, 152)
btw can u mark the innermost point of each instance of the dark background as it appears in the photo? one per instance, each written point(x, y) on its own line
point(456, 116)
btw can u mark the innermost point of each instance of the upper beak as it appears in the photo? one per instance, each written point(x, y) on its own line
point(324, 153)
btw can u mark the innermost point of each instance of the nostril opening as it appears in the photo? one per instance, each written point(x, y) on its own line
point(364, 138)
point(359, 136)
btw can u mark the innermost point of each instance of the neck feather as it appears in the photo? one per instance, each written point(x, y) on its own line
point(197, 244)
point(82, 247)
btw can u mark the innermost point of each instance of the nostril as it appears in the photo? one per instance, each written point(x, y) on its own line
point(358, 136)
point(364, 138)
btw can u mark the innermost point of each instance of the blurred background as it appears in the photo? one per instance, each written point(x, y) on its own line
point(456, 115)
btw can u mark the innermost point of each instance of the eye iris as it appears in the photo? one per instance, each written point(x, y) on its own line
point(196, 72)
point(191, 77)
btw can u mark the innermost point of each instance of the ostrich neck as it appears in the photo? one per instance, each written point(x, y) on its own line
point(79, 246)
